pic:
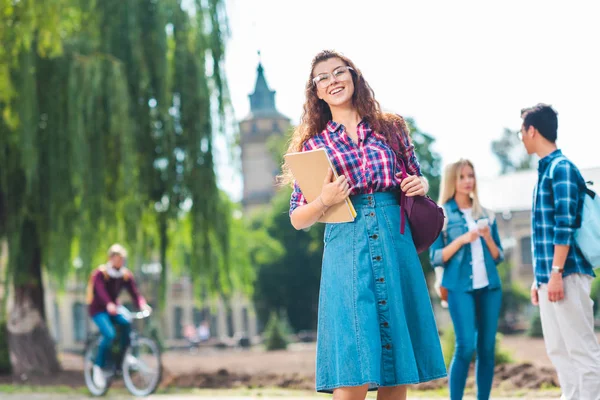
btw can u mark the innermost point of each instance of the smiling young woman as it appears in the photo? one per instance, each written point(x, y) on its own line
point(376, 328)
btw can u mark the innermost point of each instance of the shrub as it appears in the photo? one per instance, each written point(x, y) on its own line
point(448, 340)
point(5, 367)
point(535, 325)
point(275, 337)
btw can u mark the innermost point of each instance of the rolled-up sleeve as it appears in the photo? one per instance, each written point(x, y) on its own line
point(435, 252)
point(566, 199)
point(297, 199)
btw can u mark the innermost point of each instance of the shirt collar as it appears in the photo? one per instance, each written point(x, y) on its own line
point(364, 128)
point(544, 162)
point(113, 272)
point(452, 204)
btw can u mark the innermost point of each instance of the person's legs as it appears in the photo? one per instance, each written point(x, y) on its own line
point(487, 305)
point(351, 393)
point(576, 314)
point(107, 330)
point(125, 326)
point(392, 393)
point(125, 330)
point(462, 311)
point(556, 348)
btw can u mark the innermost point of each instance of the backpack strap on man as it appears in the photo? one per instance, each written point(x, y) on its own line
point(553, 165)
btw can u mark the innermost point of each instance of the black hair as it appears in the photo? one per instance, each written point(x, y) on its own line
point(543, 118)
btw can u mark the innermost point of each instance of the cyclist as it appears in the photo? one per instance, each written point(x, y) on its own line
point(104, 286)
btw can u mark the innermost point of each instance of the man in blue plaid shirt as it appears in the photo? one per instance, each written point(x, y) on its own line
point(563, 277)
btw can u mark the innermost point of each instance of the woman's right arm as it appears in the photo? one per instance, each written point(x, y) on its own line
point(449, 251)
point(332, 193)
point(440, 255)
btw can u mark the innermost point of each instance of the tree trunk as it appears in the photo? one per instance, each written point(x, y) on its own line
point(32, 349)
point(163, 244)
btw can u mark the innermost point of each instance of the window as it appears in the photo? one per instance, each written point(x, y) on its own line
point(201, 315)
point(276, 127)
point(178, 323)
point(79, 322)
point(526, 256)
point(57, 333)
point(230, 327)
point(245, 321)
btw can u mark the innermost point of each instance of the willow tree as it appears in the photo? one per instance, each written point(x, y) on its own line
point(106, 118)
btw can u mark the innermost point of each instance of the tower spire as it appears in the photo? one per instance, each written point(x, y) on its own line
point(263, 98)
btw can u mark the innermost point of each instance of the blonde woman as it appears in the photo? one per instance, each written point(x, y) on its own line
point(469, 249)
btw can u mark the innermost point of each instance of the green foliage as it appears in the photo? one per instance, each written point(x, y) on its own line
point(106, 133)
point(289, 282)
point(5, 366)
point(595, 293)
point(448, 341)
point(515, 298)
point(430, 160)
point(503, 355)
point(275, 337)
point(535, 325)
point(510, 153)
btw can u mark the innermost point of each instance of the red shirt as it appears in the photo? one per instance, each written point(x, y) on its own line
point(104, 288)
point(369, 165)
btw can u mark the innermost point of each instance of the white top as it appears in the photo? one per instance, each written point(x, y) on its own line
point(480, 278)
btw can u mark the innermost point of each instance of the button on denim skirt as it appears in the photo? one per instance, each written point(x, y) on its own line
point(376, 323)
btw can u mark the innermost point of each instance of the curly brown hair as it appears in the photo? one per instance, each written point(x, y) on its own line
point(317, 114)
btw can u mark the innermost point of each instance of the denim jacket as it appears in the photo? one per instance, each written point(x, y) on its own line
point(458, 270)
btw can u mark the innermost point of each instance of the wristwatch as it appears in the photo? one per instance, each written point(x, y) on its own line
point(557, 270)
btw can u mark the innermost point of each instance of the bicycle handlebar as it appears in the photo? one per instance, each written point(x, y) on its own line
point(145, 313)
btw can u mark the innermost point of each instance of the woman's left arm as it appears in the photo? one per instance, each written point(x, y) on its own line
point(492, 240)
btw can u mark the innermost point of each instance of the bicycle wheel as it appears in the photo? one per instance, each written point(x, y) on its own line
point(142, 368)
point(91, 350)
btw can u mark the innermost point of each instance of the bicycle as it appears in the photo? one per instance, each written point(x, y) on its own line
point(140, 368)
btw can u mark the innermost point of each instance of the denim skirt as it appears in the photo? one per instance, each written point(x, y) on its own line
point(376, 323)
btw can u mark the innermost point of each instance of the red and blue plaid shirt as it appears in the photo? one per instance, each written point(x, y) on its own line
point(369, 165)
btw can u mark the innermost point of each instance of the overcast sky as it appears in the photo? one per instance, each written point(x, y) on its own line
point(461, 69)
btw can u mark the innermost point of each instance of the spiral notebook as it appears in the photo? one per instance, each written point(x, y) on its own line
point(310, 169)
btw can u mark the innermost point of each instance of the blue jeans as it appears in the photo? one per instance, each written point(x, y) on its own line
point(105, 323)
point(475, 317)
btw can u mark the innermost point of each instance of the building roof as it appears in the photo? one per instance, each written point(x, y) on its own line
point(263, 98)
point(513, 192)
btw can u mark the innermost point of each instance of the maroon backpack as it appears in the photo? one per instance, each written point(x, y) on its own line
point(425, 217)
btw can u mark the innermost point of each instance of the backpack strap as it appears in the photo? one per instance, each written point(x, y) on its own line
point(553, 165)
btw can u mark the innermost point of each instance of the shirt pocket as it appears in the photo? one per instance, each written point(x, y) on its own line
point(330, 232)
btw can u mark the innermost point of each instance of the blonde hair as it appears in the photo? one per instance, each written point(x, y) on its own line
point(450, 179)
point(117, 250)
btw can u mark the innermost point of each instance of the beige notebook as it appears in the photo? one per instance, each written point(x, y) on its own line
point(310, 169)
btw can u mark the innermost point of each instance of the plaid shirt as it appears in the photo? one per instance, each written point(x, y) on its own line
point(557, 207)
point(370, 165)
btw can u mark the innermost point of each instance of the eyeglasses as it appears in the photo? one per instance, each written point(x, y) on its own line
point(339, 74)
point(520, 134)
